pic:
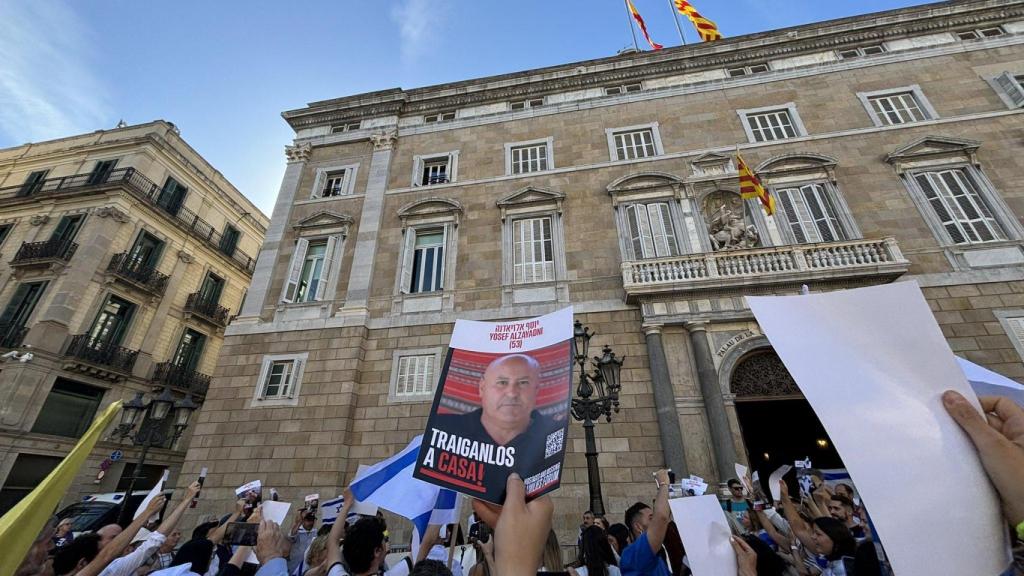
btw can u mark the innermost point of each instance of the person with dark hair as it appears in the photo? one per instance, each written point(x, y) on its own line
point(768, 562)
point(197, 553)
point(596, 555)
point(95, 554)
point(618, 538)
point(430, 568)
point(647, 530)
point(63, 535)
point(737, 504)
point(77, 554)
point(831, 539)
point(365, 547)
point(841, 508)
point(302, 533)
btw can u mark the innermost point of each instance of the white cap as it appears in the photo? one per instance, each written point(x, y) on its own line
point(141, 536)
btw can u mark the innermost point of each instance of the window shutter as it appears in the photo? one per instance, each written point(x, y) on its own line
point(1016, 326)
point(407, 256)
point(1011, 88)
point(787, 197)
point(643, 220)
point(295, 270)
point(662, 230)
point(634, 231)
point(325, 273)
point(442, 255)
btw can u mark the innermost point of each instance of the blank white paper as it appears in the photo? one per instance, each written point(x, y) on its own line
point(705, 534)
point(873, 364)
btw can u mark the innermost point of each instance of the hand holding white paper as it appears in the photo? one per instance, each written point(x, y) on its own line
point(157, 489)
point(705, 530)
point(274, 511)
point(773, 481)
point(873, 364)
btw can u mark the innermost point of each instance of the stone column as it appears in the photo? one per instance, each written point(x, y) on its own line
point(145, 362)
point(256, 297)
point(361, 273)
point(665, 403)
point(714, 403)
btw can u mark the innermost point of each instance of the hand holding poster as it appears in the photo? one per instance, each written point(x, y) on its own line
point(501, 406)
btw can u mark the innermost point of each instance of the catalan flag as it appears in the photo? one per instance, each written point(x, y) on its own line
point(706, 28)
point(750, 187)
point(643, 27)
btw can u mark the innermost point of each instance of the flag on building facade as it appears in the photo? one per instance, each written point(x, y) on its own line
point(21, 524)
point(751, 188)
point(707, 29)
point(643, 27)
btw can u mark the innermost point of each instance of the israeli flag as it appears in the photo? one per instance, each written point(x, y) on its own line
point(390, 485)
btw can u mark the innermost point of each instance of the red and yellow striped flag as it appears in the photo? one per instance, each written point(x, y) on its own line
point(750, 187)
point(643, 27)
point(706, 28)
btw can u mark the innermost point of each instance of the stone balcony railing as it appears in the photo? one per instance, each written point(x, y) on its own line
point(764, 266)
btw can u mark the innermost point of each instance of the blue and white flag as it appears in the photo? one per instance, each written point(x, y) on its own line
point(988, 383)
point(331, 508)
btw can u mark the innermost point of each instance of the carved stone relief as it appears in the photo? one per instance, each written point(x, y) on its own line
point(762, 374)
point(729, 224)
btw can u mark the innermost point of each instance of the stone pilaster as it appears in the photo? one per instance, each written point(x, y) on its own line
point(665, 403)
point(714, 403)
point(145, 362)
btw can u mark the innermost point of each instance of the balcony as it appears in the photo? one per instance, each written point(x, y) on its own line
point(145, 278)
point(12, 335)
point(100, 359)
point(46, 252)
point(142, 188)
point(794, 264)
point(211, 312)
point(185, 380)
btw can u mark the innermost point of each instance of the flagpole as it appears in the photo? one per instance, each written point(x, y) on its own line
point(675, 18)
point(629, 18)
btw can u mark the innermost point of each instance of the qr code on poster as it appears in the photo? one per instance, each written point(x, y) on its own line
point(554, 443)
point(545, 478)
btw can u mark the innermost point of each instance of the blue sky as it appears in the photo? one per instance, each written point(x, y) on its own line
point(223, 71)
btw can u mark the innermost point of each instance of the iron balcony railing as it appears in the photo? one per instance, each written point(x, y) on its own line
point(100, 353)
point(12, 335)
point(210, 310)
point(146, 277)
point(30, 252)
point(144, 188)
point(182, 378)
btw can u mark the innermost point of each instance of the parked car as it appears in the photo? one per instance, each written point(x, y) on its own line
point(97, 510)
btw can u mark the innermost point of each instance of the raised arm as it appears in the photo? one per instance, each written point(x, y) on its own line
point(801, 529)
point(338, 530)
point(115, 547)
point(773, 533)
point(662, 515)
point(168, 524)
point(217, 534)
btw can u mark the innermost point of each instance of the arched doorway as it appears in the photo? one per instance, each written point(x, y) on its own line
point(777, 424)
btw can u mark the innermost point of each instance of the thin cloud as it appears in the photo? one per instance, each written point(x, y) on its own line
point(419, 22)
point(47, 89)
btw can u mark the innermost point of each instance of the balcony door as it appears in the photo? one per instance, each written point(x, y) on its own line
point(67, 229)
point(209, 292)
point(190, 351)
point(172, 196)
point(146, 251)
point(101, 172)
point(111, 324)
point(20, 308)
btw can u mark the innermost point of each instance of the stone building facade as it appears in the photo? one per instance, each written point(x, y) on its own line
point(124, 255)
point(891, 143)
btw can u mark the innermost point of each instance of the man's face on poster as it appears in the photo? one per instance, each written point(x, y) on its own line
point(508, 391)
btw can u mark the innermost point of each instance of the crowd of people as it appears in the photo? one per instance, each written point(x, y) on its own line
point(824, 532)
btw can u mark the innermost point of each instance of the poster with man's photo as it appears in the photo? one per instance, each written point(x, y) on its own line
point(501, 406)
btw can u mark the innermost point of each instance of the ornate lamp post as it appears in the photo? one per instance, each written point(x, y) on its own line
point(598, 396)
point(151, 430)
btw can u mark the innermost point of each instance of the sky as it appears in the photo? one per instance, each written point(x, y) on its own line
point(224, 70)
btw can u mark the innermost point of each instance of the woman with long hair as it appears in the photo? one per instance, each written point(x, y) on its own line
point(551, 561)
point(596, 554)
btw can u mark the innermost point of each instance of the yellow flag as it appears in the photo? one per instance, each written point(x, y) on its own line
point(21, 524)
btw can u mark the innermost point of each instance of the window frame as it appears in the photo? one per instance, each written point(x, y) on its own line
point(419, 162)
point(325, 288)
point(914, 90)
point(830, 195)
point(625, 232)
point(323, 173)
point(525, 104)
point(438, 268)
point(986, 194)
point(788, 107)
point(5, 231)
point(299, 361)
point(1010, 87)
point(447, 116)
point(653, 127)
point(396, 358)
point(548, 143)
point(346, 127)
point(740, 71)
point(1006, 319)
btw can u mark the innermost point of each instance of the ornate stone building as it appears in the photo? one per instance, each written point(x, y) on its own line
point(891, 143)
point(124, 255)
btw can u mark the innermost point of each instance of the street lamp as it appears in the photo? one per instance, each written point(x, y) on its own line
point(150, 417)
point(598, 396)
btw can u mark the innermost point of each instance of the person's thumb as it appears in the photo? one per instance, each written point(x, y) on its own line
point(968, 417)
point(515, 491)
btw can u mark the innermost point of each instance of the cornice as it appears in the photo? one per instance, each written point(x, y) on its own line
point(751, 48)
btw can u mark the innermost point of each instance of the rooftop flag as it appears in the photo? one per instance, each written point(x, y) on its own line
point(643, 27)
point(706, 28)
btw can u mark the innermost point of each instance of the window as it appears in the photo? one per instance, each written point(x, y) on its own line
point(280, 380)
point(310, 269)
point(334, 181)
point(634, 142)
point(1012, 87)
point(101, 172)
point(334, 184)
point(745, 70)
point(111, 323)
point(955, 199)
point(5, 231)
point(427, 261)
point(172, 196)
point(347, 127)
point(774, 123)
point(811, 214)
point(526, 157)
point(524, 104)
point(624, 89)
point(435, 171)
point(211, 289)
point(413, 375)
point(1013, 323)
point(651, 232)
point(190, 350)
point(861, 51)
point(28, 472)
point(69, 409)
point(229, 239)
point(439, 117)
point(34, 183)
point(532, 250)
point(983, 33)
point(67, 229)
point(898, 106)
point(16, 315)
point(145, 253)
